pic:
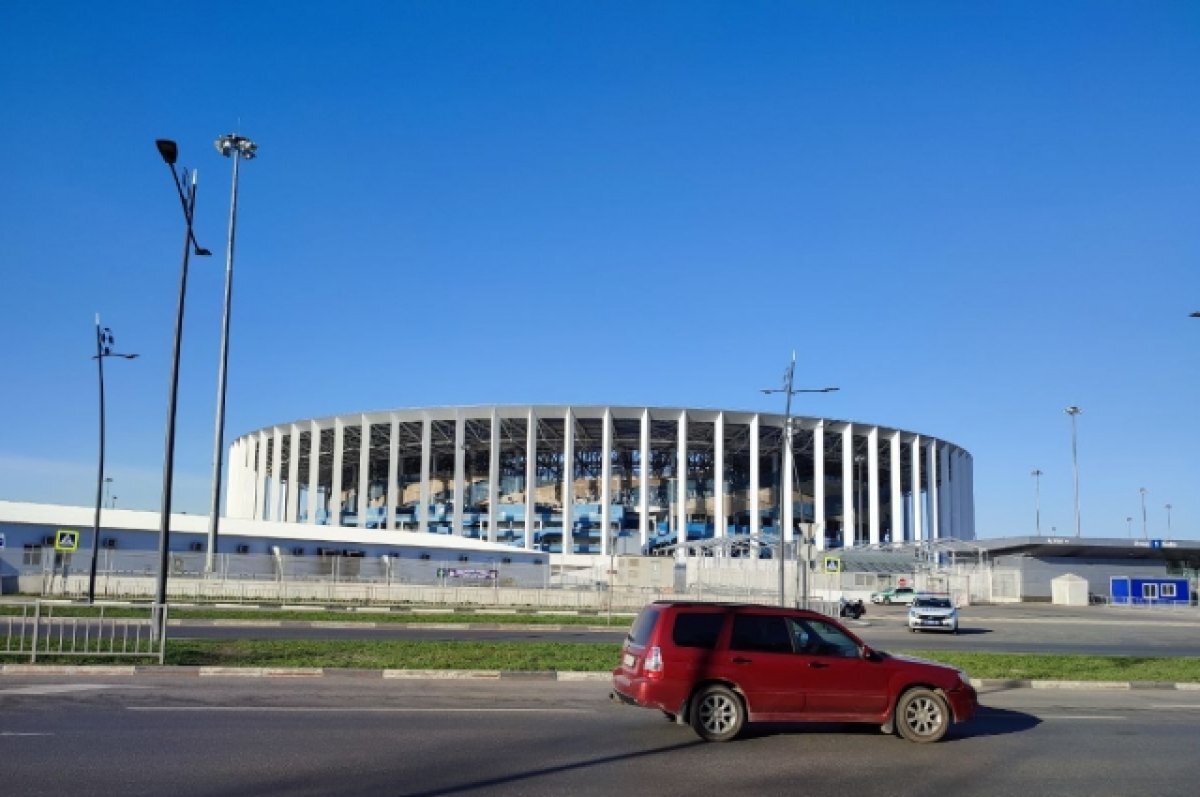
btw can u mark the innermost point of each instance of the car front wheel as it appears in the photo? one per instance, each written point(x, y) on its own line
point(717, 714)
point(922, 715)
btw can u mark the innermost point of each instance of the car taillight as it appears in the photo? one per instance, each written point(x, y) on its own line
point(653, 665)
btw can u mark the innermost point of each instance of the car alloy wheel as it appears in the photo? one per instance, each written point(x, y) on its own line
point(717, 714)
point(922, 715)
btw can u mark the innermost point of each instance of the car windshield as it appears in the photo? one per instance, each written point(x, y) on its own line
point(933, 603)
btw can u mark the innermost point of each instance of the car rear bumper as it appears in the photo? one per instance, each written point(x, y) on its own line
point(642, 692)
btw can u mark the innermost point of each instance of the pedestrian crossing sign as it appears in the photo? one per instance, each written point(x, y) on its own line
point(66, 540)
point(833, 564)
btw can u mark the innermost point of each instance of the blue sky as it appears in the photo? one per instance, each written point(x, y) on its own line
point(965, 215)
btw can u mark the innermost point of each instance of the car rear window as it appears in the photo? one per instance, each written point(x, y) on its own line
point(643, 626)
point(697, 629)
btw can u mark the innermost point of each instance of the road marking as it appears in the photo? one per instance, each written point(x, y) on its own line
point(368, 710)
point(19, 733)
point(1192, 706)
point(1079, 717)
point(58, 689)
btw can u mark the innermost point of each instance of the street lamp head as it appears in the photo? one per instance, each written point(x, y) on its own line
point(1143, 490)
point(232, 143)
point(1073, 410)
point(168, 149)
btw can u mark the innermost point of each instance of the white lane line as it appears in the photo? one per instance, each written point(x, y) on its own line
point(19, 733)
point(369, 710)
point(1079, 717)
point(1185, 706)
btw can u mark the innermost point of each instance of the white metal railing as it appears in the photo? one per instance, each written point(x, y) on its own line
point(53, 629)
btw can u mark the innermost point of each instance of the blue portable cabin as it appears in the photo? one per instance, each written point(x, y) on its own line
point(1149, 591)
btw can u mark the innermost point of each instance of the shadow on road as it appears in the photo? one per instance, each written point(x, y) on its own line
point(485, 783)
point(995, 722)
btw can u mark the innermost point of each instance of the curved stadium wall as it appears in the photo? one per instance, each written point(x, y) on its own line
point(554, 478)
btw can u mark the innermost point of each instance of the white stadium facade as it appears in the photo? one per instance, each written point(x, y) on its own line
point(593, 479)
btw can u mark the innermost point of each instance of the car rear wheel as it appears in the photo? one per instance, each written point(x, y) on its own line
point(922, 715)
point(717, 714)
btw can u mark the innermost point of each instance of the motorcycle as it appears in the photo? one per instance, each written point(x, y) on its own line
point(852, 609)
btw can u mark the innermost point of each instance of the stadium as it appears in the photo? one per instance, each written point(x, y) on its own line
point(594, 480)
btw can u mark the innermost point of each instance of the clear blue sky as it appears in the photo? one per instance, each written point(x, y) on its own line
point(966, 215)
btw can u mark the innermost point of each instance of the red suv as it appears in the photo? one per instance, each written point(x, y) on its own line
point(719, 666)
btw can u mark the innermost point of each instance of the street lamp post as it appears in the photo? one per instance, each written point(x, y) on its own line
point(1037, 499)
point(1129, 527)
point(104, 344)
point(788, 390)
point(1074, 412)
point(236, 147)
point(1168, 507)
point(1143, 491)
point(107, 487)
point(187, 199)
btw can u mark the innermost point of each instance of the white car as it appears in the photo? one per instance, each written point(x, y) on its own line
point(932, 613)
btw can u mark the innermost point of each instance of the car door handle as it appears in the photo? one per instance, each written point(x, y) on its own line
point(818, 665)
point(742, 660)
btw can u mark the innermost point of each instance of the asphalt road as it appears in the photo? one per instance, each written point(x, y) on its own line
point(1010, 629)
point(155, 734)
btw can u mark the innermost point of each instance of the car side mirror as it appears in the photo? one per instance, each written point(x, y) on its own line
point(868, 653)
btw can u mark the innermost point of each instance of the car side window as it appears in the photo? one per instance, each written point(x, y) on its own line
point(697, 629)
point(830, 641)
point(763, 633)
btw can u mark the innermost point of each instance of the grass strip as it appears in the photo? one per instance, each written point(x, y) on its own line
point(596, 657)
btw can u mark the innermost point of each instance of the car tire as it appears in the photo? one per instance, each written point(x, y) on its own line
point(912, 630)
point(922, 715)
point(717, 714)
point(887, 601)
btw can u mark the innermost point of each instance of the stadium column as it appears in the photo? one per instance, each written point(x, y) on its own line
point(393, 471)
point(493, 474)
point(918, 515)
point(786, 482)
point(335, 491)
point(276, 467)
point(644, 478)
point(755, 518)
point(606, 541)
point(946, 493)
point(314, 469)
point(260, 475)
point(873, 484)
point(530, 477)
point(849, 510)
point(719, 513)
point(568, 488)
point(955, 489)
point(460, 470)
point(364, 473)
point(293, 482)
point(896, 494)
point(931, 462)
point(681, 474)
point(819, 483)
point(426, 453)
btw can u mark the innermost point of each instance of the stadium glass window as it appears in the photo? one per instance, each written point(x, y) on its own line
point(32, 555)
point(1168, 590)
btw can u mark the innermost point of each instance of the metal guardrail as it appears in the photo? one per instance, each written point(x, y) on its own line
point(55, 629)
